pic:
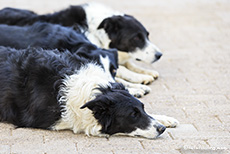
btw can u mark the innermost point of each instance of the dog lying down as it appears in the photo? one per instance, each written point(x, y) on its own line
point(53, 36)
point(105, 28)
point(57, 91)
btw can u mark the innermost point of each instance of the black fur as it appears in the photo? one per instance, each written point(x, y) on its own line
point(117, 111)
point(50, 36)
point(125, 32)
point(30, 82)
point(73, 16)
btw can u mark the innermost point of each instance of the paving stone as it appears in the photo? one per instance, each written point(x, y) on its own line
point(222, 144)
point(200, 135)
point(5, 133)
point(4, 149)
point(193, 85)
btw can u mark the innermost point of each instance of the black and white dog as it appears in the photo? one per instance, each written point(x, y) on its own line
point(107, 29)
point(51, 36)
point(57, 91)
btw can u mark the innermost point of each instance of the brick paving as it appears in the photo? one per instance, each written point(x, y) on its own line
point(193, 85)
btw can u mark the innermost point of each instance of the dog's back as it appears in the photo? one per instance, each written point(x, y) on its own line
point(68, 17)
point(13, 16)
point(43, 35)
point(51, 36)
point(29, 83)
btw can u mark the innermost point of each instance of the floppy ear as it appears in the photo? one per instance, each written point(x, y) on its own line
point(104, 24)
point(101, 111)
point(98, 104)
point(111, 24)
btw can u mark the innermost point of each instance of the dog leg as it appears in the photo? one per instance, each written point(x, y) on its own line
point(133, 77)
point(167, 121)
point(137, 90)
point(133, 67)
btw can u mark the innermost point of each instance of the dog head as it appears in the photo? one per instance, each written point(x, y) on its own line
point(108, 58)
point(120, 113)
point(129, 35)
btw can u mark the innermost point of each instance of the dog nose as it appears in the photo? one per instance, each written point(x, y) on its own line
point(161, 129)
point(158, 55)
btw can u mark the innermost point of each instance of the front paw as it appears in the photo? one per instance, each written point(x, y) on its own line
point(167, 121)
point(136, 92)
point(142, 79)
point(139, 90)
point(154, 74)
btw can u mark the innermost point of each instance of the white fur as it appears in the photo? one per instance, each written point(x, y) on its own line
point(95, 14)
point(133, 67)
point(167, 121)
point(137, 90)
point(149, 133)
point(147, 54)
point(106, 63)
point(78, 89)
point(133, 77)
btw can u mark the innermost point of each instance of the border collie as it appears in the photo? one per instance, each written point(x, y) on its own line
point(58, 91)
point(50, 36)
point(107, 29)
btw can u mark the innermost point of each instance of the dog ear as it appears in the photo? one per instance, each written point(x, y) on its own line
point(104, 24)
point(111, 24)
point(98, 104)
point(101, 111)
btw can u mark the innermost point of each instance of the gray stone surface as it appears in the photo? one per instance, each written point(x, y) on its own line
point(193, 85)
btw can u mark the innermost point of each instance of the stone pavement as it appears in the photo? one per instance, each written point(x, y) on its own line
point(193, 86)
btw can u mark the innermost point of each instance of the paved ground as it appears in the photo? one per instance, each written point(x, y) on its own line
point(193, 85)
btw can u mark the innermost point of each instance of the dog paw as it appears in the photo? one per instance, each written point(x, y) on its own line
point(147, 80)
point(167, 121)
point(154, 74)
point(142, 79)
point(138, 90)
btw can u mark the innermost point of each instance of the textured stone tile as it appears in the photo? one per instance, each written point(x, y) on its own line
point(4, 149)
point(193, 85)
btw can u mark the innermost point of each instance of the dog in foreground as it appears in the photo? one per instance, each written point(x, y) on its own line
point(105, 28)
point(57, 91)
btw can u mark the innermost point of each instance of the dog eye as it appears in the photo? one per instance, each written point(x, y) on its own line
point(137, 38)
point(135, 113)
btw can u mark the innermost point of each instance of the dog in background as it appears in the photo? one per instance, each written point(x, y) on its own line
point(51, 36)
point(105, 28)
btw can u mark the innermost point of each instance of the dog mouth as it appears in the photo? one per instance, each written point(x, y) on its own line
point(154, 61)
